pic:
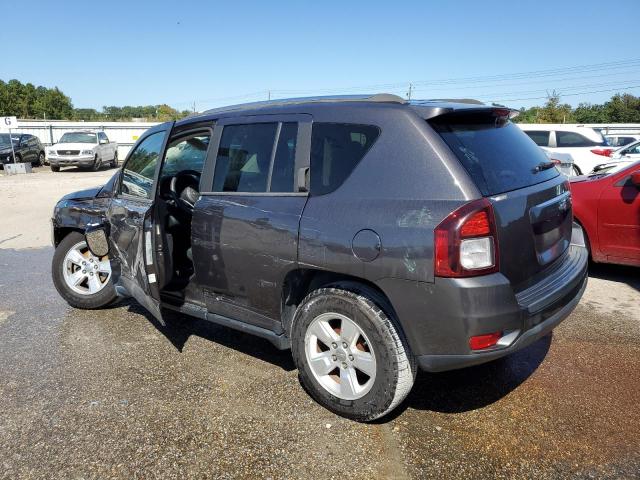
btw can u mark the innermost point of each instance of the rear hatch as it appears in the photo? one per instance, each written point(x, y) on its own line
point(530, 198)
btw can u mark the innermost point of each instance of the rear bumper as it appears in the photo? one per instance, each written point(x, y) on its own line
point(440, 363)
point(439, 318)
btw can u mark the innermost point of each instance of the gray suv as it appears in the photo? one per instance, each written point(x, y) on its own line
point(369, 234)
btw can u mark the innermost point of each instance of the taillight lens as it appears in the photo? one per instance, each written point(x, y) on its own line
point(480, 342)
point(466, 241)
point(605, 152)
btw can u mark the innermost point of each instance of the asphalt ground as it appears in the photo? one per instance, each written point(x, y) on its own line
point(112, 394)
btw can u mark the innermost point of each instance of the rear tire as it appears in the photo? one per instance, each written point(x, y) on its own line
point(59, 264)
point(55, 168)
point(576, 170)
point(354, 326)
point(114, 162)
point(40, 161)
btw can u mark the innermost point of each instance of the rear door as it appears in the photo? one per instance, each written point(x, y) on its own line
point(131, 222)
point(531, 200)
point(245, 225)
point(619, 218)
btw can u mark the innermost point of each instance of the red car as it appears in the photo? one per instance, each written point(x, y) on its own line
point(607, 206)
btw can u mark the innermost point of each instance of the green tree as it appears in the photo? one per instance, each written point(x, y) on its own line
point(555, 112)
point(588, 113)
point(623, 108)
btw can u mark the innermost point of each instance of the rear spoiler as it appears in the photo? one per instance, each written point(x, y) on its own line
point(429, 109)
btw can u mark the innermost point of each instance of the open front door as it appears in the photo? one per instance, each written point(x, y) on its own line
point(130, 217)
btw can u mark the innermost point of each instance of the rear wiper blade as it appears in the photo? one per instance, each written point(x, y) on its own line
point(543, 166)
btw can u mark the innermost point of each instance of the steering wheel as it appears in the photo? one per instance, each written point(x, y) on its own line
point(184, 189)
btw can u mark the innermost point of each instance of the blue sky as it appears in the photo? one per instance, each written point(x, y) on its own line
point(217, 53)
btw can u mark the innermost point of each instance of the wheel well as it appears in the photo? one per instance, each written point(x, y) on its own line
point(60, 232)
point(299, 283)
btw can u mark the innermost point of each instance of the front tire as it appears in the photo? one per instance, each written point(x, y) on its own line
point(97, 163)
point(82, 279)
point(40, 161)
point(351, 356)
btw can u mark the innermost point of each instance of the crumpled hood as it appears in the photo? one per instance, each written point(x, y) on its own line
point(73, 146)
point(83, 194)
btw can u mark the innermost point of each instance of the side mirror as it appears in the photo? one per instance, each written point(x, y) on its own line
point(635, 179)
point(97, 241)
point(302, 179)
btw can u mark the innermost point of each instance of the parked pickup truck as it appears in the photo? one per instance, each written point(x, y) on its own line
point(83, 149)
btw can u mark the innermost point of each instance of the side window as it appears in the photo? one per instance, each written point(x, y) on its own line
point(244, 156)
point(186, 153)
point(572, 139)
point(103, 137)
point(633, 150)
point(540, 138)
point(139, 171)
point(336, 149)
point(282, 176)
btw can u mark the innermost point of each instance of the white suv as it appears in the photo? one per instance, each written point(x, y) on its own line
point(587, 147)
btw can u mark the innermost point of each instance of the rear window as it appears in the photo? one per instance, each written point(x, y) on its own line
point(496, 153)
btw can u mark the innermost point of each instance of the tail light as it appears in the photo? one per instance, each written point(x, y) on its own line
point(605, 152)
point(466, 241)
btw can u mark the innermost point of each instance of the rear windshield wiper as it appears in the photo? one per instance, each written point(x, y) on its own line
point(543, 166)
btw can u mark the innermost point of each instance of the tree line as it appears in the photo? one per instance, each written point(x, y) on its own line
point(621, 108)
point(26, 101)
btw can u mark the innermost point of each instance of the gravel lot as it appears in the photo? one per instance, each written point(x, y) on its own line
point(111, 394)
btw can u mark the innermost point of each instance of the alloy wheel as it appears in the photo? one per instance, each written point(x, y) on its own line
point(83, 272)
point(340, 356)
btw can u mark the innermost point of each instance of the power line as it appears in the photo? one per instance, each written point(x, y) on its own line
point(461, 83)
point(573, 87)
point(569, 94)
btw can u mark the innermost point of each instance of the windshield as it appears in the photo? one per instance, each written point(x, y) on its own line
point(78, 137)
point(498, 156)
point(4, 139)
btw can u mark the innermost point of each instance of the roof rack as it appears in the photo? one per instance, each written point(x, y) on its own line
point(470, 101)
point(378, 97)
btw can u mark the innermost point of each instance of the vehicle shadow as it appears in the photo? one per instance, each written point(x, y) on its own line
point(475, 387)
point(180, 327)
point(447, 392)
point(616, 273)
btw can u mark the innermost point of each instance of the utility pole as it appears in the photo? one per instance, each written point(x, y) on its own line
point(194, 106)
point(268, 94)
point(410, 91)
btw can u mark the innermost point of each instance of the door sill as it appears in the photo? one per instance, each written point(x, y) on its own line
point(281, 342)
